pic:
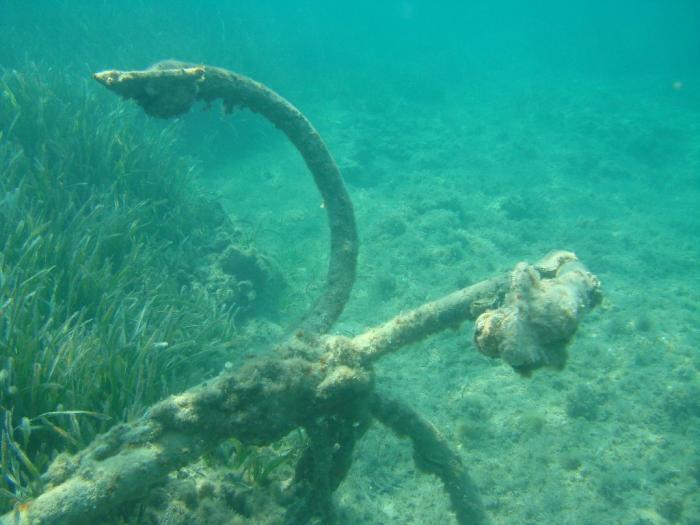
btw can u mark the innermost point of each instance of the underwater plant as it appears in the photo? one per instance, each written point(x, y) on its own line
point(321, 383)
point(92, 330)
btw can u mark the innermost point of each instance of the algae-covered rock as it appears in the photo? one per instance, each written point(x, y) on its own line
point(541, 313)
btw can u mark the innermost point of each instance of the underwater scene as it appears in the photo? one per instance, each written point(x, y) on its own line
point(350, 263)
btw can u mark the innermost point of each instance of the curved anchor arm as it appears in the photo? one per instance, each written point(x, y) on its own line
point(170, 88)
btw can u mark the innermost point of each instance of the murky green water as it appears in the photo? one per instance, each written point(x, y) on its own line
point(471, 135)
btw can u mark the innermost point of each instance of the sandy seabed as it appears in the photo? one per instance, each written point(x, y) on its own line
point(452, 189)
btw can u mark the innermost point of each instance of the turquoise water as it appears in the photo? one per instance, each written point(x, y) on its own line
point(471, 135)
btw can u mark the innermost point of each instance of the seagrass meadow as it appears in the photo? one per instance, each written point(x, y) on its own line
point(172, 347)
point(109, 299)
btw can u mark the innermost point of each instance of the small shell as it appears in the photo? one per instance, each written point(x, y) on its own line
point(550, 263)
